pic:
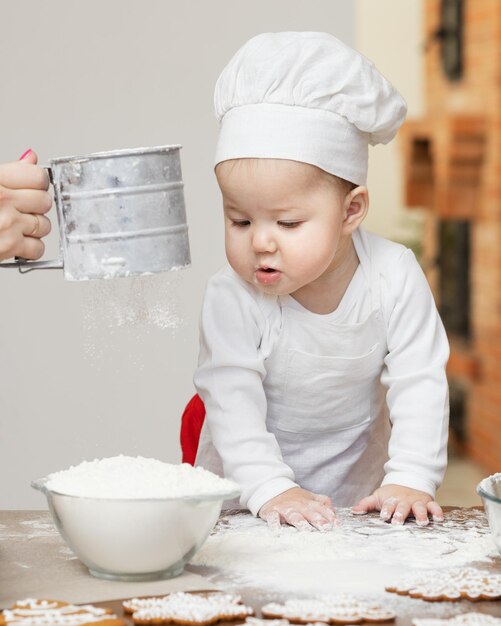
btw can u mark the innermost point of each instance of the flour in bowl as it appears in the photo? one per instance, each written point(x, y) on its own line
point(137, 478)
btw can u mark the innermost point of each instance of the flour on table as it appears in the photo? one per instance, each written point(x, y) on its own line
point(360, 555)
point(67, 554)
point(29, 529)
point(242, 541)
point(38, 528)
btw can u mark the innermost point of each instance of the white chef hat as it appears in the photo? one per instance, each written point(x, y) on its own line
point(307, 97)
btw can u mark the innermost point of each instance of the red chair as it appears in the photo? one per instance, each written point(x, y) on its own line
point(191, 427)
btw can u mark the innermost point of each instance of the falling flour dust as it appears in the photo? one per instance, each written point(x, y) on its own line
point(150, 300)
point(134, 305)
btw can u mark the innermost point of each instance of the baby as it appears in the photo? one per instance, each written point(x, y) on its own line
point(322, 361)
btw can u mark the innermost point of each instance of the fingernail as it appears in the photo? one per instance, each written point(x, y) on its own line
point(29, 151)
point(422, 522)
point(438, 518)
point(384, 514)
point(398, 518)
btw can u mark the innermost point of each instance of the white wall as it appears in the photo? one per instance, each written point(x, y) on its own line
point(389, 32)
point(78, 77)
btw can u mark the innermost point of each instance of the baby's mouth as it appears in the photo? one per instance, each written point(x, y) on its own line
point(267, 275)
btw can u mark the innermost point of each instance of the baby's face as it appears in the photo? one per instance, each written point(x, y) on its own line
point(283, 221)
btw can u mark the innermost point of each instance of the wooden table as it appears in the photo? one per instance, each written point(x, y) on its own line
point(35, 562)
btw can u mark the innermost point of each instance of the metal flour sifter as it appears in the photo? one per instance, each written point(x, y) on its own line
point(120, 213)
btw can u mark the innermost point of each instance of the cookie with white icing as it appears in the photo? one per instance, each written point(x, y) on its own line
point(342, 609)
point(187, 609)
point(465, 619)
point(450, 585)
point(33, 612)
point(212, 597)
point(256, 621)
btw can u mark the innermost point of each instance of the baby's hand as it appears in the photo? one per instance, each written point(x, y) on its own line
point(397, 503)
point(24, 200)
point(299, 508)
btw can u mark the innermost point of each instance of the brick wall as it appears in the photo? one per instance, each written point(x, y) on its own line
point(477, 93)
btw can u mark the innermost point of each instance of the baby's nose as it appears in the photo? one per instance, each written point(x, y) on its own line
point(263, 240)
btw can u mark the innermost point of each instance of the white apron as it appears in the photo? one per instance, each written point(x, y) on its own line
point(326, 404)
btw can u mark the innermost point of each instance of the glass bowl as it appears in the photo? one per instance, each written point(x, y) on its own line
point(134, 539)
point(489, 489)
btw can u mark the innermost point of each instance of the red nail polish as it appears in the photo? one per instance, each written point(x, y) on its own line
point(29, 151)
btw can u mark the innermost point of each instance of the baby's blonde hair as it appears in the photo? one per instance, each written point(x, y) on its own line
point(345, 186)
point(342, 185)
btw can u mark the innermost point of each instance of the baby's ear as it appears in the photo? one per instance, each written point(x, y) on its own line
point(356, 205)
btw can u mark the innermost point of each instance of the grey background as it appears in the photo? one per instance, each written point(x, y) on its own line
point(77, 380)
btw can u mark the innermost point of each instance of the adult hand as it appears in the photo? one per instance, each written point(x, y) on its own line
point(24, 200)
point(396, 503)
point(300, 508)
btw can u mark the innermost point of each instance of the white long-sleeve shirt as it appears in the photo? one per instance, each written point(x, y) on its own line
point(246, 434)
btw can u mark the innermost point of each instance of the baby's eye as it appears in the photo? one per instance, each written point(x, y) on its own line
point(285, 224)
point(240, 223)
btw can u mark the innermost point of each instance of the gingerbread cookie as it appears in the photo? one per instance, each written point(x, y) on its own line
point(328, 609)
point(256, 621)
point(466, 619)
point(31, 612)
point(187, 609)
point(450, 585)
point(214, 597)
